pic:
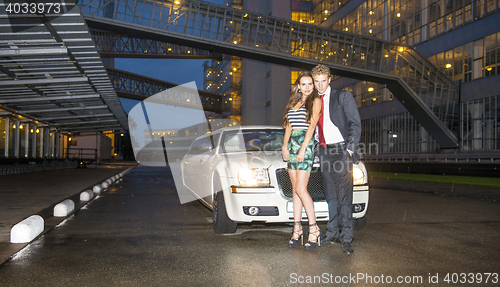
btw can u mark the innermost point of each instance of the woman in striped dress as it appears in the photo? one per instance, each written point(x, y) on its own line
point(300, 119)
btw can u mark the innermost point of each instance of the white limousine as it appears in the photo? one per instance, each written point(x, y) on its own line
point(239, 173)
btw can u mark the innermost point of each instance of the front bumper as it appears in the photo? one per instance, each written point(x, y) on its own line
point(269, 205)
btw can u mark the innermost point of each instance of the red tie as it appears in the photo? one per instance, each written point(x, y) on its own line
point(321, 136)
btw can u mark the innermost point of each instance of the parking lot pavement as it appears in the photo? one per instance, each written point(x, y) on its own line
point(26, 194)
point(22, 195)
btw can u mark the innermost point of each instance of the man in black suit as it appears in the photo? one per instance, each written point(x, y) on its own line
point(339, 131)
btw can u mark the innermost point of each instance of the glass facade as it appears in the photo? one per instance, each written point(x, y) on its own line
point(471, 61)
point(302, 16)
point(480, 125)
point(399, 133)
point(324, 9)
point(411, 22)
point(225, 78)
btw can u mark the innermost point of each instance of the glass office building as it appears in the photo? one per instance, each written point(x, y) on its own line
point(460, 37)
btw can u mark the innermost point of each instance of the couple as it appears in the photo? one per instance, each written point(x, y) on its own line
point(312, 102)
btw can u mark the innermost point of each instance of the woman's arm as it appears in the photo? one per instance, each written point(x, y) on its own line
point(286, 139)
point(316, 112)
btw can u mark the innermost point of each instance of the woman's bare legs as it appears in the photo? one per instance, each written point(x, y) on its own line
point(301, 197)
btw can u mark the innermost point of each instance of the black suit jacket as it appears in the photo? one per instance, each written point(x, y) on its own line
point(344, 114)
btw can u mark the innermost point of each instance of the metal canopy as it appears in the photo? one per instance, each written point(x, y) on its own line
point(51, 72)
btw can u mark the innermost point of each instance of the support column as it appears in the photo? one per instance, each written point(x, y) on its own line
point(476, 111)
point(57, 145)
point(16, 141)
point(385, 94)
point(477, 57)
point(280, 78)
point(265, 87)
point(425, 20)
point(40, 138)
point(47, 142)
point(424, 139)
point(26, 140)
point(489, 134)
point(387, 21)
point(53, 145)
point(34, 140)
point(253, 88)
point(7, 137)
point(385, 135)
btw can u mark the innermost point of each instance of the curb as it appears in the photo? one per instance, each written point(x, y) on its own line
point(48, 220)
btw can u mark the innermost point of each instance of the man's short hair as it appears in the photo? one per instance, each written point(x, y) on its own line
point(321, 70)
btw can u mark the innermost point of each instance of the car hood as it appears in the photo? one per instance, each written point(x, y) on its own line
point(264, 159)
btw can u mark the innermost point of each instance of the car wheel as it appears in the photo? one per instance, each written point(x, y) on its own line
point(359, 223)
point(222, 222)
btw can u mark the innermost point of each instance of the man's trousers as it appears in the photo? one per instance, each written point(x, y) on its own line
point(336, 171)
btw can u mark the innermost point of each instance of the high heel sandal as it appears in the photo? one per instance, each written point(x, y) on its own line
point(295, 242)
point(317, 242)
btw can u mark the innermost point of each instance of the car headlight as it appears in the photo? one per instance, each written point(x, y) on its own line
point(358, 176)
point(253, 177)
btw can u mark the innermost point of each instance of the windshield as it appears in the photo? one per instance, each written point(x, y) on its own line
point(252, 140)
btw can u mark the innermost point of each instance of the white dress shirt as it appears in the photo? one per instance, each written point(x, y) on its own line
point(330, 131)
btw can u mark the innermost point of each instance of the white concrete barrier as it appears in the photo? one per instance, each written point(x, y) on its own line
point(26, 230)
point(109, 181)
point(104, 185)
point(97, 189)
point(86, 195)
point(64, 208)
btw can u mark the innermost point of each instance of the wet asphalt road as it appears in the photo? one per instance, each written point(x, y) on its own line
point(138, 234)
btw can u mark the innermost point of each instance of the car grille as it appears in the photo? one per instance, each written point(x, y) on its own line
point(315, 185)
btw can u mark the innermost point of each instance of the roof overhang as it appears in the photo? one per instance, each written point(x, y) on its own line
point(51, 72)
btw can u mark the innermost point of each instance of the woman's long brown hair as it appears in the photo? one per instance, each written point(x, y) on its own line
point(296, 96)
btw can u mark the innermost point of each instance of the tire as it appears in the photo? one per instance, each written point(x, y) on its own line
point(222, 222)
point(359, 223)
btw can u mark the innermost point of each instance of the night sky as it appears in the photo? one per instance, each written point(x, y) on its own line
point(178, 71)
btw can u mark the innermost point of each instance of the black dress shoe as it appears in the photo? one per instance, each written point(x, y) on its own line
point(347, 248)
point(325, 239)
